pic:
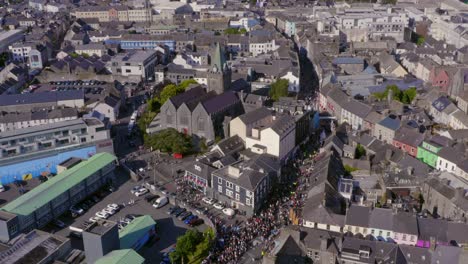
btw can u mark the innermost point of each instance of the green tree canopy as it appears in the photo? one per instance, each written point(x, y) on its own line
point(169, 140)
point(360, 151)
point(405, 97)
point(3, 59)
point(234, 31)
point(172, 90)
point(193, 246)
point(279, 89)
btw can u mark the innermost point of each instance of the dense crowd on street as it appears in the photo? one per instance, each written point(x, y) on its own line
point(236, 239)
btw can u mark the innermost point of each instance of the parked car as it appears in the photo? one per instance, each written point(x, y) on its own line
point(75, 234)
point(113, 206)
point(218, 206)
point(208, 200)
point(76, 210)
point(103, 215)
point(184, 215)
point(135, 189)
point(190, 218)
point(110, 211)
point(151, 198)
point(160, 202)
point(58, 223)
point(201, 211)
point(229, 211)
point(94, 219)
point(196, 222)
point(172, 209)
point(2, 188)
point(141, 192)
point(179, 211)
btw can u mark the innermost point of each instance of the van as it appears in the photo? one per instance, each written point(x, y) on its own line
point(160, 202)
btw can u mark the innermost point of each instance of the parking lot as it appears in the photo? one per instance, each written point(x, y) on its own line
point(168, 227)
point(14, 190)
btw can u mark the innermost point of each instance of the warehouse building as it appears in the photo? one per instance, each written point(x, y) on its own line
point(34, 151)
point(54, 197)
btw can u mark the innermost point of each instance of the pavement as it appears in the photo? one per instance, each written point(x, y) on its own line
point(168, 227)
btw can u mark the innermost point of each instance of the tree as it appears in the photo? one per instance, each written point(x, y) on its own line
point(169, 140)
point(168, 92)
point(203, 146)
point(172, 90)
point(279, 89)
point(405, 97)
point(420, 40)
point(192, 247)
point(360, 151)
point(74, 55)
point(3, 59)
point(185, 84)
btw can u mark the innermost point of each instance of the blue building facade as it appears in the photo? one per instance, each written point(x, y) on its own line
point(128, 44)
point(42, 166)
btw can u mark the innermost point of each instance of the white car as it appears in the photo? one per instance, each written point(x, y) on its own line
point(208, 200)
point(94, 219)
point(141, 192)
point(113, 206)
point(2, 188)
point(109, 211)
point(135, 189)
point(218, 206)
point(228, 211)
point(102, 215)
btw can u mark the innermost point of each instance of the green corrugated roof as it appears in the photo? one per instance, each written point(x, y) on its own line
point(123, 256)
point(47, 191)
point(135, 230)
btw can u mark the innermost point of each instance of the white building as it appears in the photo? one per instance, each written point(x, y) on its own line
point(246, 22)
point(137, 63)
point(264, 132)
point(293, 79)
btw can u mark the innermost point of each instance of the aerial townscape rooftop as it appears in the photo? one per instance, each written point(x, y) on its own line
point(234, 131)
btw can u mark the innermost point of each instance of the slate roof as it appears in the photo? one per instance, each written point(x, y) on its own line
point(42, 97)
point(405, 223)
point(187, 96)
point(381, 218)
point(429, 227)
point(231, 144)
point(348, 60)
point(37, 115)
point(282, 124)
point(441, 103)
point(205, 171)
point(255, 115)
point(219, 102)
point(408, 136)
point(111, 101)
point(358, 216)
point(390, 123)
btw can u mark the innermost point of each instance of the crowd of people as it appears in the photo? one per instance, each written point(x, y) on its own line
point(235, 240)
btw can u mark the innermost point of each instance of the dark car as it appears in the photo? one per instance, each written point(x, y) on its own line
point(196, 222)
point(151, 198)
point(172, 209)
point(178, 212)
point(75, 234)
point(184, 215)
point(189, 219)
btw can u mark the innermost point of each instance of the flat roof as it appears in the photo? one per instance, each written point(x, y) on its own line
point(135, 230)
point(122, 256)
point(70, 162)
point(100, 227)
point(35, 129)
point(49, 190)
